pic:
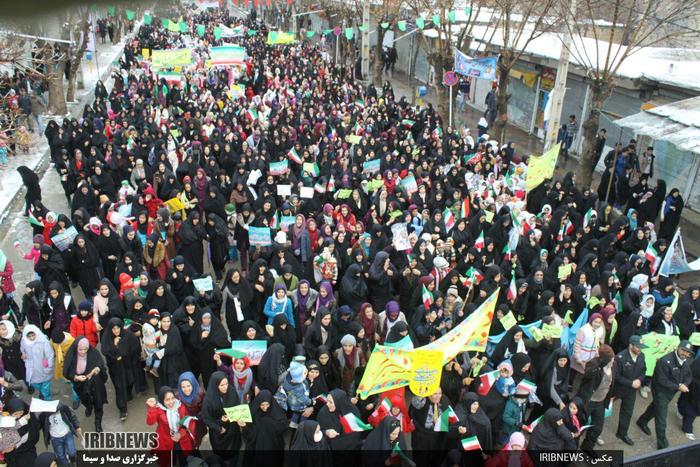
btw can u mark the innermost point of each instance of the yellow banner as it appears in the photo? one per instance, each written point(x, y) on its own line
point(470, 334)
point(280, 38)
point(171, 58)
point(387, 368)
point(390, 368)
point(425, 372)
point(541, 168)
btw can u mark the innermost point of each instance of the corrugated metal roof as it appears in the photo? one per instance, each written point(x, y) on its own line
point(678, 123)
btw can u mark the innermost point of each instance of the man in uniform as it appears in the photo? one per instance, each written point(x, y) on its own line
point(672, 373)
point(629, 373)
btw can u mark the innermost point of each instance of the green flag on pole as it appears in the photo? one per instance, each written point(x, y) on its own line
point(385, 25)
point(252, 32)
point(420, 23)
point(349, 33)
point(111, 10)
point(201, 29)
point(147, 19)
point(130, 14)
point(401, 25)
point(436, 20)
point(217, 32)
point(452, 16)
point(310, 34)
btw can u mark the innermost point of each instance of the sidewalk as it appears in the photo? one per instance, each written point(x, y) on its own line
point(526, 144)
point(37, 159)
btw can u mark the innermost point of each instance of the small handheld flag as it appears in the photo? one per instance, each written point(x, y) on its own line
point(471, 444)
point(352, 423)
point(487, 381)
point(446, 417)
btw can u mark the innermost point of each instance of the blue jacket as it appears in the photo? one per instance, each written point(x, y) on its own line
point(293, 396)
point(271, 310)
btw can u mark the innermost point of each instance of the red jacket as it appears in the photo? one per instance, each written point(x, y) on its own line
point(157, 416)
point(86, 327)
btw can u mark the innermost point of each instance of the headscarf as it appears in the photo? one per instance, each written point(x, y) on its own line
point(242, 380)
point(324, 302)
point(196, 388)
point(172, 414)
point(83, 345)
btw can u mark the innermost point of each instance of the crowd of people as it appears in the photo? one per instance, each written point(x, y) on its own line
point(394, 228)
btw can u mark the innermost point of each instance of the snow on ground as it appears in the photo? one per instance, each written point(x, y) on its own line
point(10, 181)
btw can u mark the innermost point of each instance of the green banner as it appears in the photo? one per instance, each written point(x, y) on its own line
point(658, 345)
point(201, 29)
point(130, 14)
point(349, 33)
point(111, 11)
point(280, 38)
point(171, 58)
point(182, 26)
point(147, 19)
point(310, 34)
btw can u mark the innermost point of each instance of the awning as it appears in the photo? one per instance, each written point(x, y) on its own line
point(677, 123)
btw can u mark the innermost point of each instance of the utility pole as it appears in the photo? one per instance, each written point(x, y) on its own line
point(559, 90)
point(365, 40)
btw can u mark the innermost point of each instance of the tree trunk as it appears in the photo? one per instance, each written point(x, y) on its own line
point(378, 64)
point(599, 93)
point(499, 124)
point(77, 59)
point(57, 101)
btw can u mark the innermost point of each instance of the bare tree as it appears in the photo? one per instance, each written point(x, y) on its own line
point(449, 34)
point(639, 24)
point(519, 23)
point(80, 32)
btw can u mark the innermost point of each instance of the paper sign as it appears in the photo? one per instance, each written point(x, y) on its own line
point(286, 221)
point(204, 284)
point(7, 422)
point(426, 372)
point(395, 214)
point(38, 405)
point(564, 271)
point(259, 236)
point(400, 237)
point(239, 413)
point(371, 166)
point(344, 193)
point(550, 330)
point(310, 168)
point(536, 334)
point(353, 139)
point(374, 185)
point(489, 216)
point(695, 338)
point(64, 240)
point(174, 205)
point(409, 184)
point(508, 321)
point(146, 53)
point(306, 192)
point(284, 190)
point(254, 350)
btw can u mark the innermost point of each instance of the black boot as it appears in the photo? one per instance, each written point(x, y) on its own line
point(98, 421)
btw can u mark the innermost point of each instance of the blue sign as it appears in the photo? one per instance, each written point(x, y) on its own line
point(483, 68)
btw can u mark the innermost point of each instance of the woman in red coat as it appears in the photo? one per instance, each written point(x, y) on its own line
point(513, 453)
point(166, 413)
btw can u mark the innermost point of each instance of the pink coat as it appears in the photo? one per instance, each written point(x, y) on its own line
point(8, 285)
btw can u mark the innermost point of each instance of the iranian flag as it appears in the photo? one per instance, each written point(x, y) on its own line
point(171, 77)
point(446, 417)
point(566, 229)
point(479, 243)
point(252, 114)
point(333, 134)
point(188, 423)
point(319, 187)
point(474, 159)
point(33, 220)
point(437, 132)
point(427, 297)
point(526, 385)
point(227, 55)
point(487, 381)
point(531, 427)
point(588, 218)
point(360, 103)
point(465, 208)
point(652, 257)
point(322, 398)
point(275, 221)
point(449, 219)
point(407, 123)
point(512, 289)
point(471, 444)
point(293, 156)
point(352, 423)
point(473, 277)
point(385, 407)
point(516, 222)
point(331, 185)
point(507, 254)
